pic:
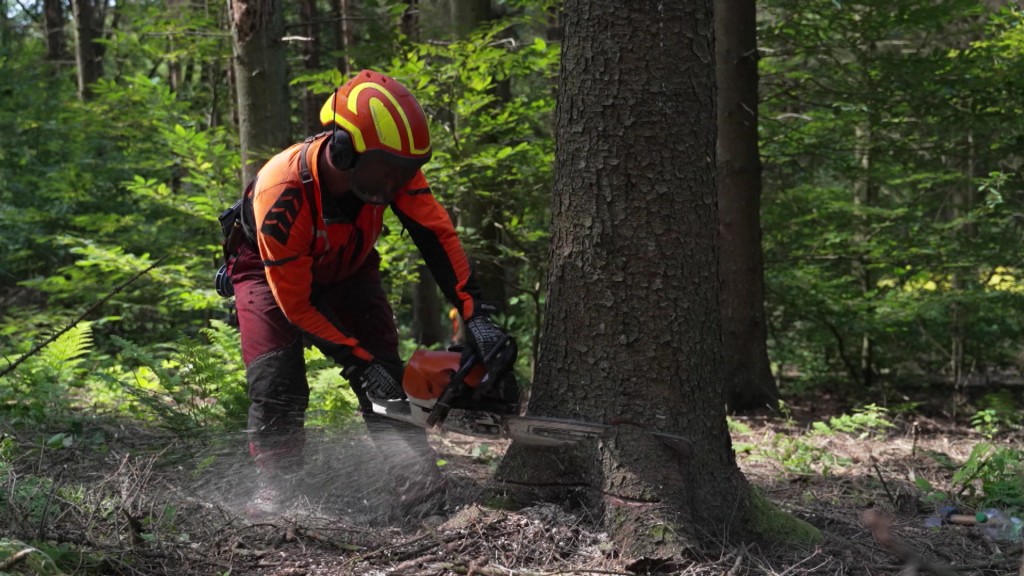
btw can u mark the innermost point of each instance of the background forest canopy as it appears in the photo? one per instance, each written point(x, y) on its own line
point(891, 138)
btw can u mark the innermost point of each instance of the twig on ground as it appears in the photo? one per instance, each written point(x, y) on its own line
point(881, 478)
point(738, 563)
point(385, 549)
point(13, 560)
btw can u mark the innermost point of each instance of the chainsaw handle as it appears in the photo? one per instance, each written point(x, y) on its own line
point(457, 384)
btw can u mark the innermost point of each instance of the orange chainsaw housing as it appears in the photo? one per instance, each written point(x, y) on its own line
point(428, 372)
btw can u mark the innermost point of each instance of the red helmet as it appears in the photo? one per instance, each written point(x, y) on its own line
point(385, 137)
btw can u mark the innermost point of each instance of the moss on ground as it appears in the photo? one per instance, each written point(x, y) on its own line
point(773, 524)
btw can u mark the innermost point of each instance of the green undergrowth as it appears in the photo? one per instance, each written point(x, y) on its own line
point(804, 453)
point(989, 477)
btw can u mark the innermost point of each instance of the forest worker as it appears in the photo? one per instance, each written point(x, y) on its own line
point(310, 272)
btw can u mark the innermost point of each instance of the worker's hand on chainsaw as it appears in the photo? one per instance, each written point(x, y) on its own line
point(483, 335)
point(380, 381)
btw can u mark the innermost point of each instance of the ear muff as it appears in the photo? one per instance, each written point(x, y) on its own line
point(343, 155)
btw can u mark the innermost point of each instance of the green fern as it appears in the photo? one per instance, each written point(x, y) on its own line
point(65, 354)
point(200, 382)
point(39, 388)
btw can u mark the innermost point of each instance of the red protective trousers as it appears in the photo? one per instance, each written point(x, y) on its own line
point(272, 348)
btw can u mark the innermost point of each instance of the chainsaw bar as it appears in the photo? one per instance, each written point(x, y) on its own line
point(530, 430)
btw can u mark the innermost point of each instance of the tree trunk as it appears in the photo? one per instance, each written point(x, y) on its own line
point(53, 22)
point(632, 332)
point(343, 34)
point(410, 23)
point(748, 377)
point(963, 200)
point(88, 29)
point(5, 26)
point(865, 194)
point(311, 102)
point(426, 310)
point(427, 305)
point(260, 80)
point(468, 14)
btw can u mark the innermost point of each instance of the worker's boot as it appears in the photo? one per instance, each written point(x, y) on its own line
point(411, 466)
point(422, 488)
point(279, 463)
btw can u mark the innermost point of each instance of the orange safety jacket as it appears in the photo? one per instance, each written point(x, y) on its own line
point(305, 245)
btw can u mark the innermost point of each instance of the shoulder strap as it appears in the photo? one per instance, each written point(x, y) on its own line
point(306, 175)
point(247, 217)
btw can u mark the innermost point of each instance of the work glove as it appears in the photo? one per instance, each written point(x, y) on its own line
point(483, 336)
point(380, 381)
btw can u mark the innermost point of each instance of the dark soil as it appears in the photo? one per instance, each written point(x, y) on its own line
point(115, 499)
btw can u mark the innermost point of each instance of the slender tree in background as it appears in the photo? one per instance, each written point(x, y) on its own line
point(632, 330)
point(410, 23)
point(748, 378)
point(311, 63)
point(343, 37)
point(5, 32)
point(427, 306)
point(261, 82)
point(89, 19)
point(53, 28)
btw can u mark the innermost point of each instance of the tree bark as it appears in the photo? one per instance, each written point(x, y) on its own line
point(311, 102)
point(426, 310)
point(632, 331)
point(56, 41)
point(866, 195)
point(343, 34)
point(5, 28)
point(749, 383)
point(260, 81)
point(410, 23)
point(88, 29)
point(468, 14)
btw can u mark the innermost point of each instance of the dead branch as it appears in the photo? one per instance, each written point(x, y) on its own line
point(15, 558)
point(117, 289)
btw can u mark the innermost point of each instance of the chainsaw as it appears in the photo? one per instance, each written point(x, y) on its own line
point(448, 390)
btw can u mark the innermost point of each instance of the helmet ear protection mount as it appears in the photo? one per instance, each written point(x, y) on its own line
point(340, 148)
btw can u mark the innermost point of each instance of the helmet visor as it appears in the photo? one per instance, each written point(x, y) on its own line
point(377, 176)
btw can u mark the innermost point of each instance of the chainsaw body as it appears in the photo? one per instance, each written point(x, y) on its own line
point(429, 373)
point(475, 408)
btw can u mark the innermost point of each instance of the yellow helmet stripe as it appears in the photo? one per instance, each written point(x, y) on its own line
point(387, 132)
point(328, 115)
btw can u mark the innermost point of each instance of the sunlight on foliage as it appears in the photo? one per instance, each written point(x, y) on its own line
point(998, 413)
point(42, 386)
point(200, 383)
point(992, 476)
point(805, 454)
point(869, 420)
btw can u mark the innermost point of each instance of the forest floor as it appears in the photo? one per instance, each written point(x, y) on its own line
point(120, 499)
